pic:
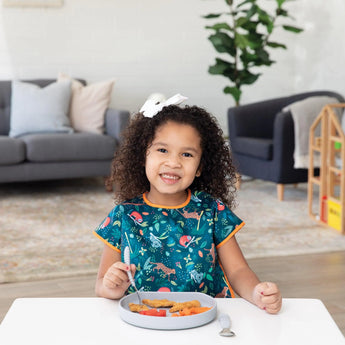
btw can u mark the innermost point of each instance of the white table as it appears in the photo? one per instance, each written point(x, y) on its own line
point(84, 321)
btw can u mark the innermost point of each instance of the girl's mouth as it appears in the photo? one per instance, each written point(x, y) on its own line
point(169, 178)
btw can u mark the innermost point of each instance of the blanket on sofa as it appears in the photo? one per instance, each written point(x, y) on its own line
point(304, 113)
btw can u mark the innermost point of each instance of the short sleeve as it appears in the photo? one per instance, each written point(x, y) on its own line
point(109, 231)
point(226, 224)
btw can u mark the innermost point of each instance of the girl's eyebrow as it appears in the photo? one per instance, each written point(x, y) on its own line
point(183, 148)
point(159, 144)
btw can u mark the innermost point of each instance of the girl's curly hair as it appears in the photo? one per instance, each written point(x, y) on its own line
point(218, 175)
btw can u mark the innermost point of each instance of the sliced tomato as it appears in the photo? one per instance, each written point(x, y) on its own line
point(154, 312)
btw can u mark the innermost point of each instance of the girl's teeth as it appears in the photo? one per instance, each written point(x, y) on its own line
point(170, 177)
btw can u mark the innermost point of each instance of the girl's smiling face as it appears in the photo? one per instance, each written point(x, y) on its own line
point(172, 163)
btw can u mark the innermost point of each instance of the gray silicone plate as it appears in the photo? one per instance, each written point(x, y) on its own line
point(168, 322)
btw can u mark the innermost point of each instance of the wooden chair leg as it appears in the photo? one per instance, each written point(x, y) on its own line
point(107, 184)
point(238, 182)
point(280, 191)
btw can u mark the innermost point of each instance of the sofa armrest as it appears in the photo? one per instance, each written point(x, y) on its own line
point(284, 140)
point(115, 122)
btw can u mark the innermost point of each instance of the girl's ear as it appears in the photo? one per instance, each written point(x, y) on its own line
point(198, 172)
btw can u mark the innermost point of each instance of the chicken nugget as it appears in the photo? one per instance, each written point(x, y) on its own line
point(180, 306)
point(158, 303)
point(137, 307)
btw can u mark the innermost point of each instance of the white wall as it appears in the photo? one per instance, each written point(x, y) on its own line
point(161, 46)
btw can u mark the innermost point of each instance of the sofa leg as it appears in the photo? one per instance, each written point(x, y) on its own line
point(280, 191)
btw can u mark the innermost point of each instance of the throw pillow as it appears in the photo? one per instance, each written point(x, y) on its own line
point(35, 109)
point(88, 104)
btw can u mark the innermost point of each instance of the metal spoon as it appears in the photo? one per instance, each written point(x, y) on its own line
point(127, 258)
point(225, 323)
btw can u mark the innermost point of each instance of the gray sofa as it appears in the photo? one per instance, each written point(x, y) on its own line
point(47, 156)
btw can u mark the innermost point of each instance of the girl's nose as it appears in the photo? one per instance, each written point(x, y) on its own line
point(173, 161)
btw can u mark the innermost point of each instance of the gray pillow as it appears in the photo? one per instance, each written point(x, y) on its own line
point(39, 110)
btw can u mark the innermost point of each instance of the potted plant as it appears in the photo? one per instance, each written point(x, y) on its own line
point(244, 33)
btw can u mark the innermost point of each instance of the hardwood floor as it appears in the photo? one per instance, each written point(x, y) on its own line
point(320, 276)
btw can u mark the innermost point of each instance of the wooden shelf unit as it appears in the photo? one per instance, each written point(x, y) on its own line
point(327, 144)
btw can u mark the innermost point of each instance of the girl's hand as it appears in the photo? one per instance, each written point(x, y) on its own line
point(267, 296)
point(116, 276)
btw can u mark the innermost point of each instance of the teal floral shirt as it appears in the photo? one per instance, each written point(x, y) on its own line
point(173, 248)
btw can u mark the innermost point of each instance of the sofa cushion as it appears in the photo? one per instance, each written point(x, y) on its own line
point(261, 148)
point(35, 109)
point(12, 151)
point(88, 104)
point(69, 147)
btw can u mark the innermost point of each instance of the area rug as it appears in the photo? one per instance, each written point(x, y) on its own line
point(46, 227)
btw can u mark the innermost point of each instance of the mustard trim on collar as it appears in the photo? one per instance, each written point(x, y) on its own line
point(168, 207)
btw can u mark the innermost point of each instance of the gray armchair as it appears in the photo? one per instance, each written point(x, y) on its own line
point(262, 140)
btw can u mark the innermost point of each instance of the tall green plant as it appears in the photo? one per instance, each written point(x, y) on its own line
point(245, 37)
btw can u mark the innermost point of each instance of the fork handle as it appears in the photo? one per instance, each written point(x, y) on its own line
point(127, 259)
point(224, 321)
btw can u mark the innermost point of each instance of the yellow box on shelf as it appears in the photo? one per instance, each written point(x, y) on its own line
point(334, 215)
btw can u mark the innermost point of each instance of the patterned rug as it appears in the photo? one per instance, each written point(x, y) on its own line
point(46, 227)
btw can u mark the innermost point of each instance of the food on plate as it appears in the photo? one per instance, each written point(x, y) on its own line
point(176, 308)
point(158, 303)
point(154, 312)
point(191, 311)
point(183, 305)
point(137, 307)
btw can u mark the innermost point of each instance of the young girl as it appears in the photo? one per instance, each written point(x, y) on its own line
point(175, 181)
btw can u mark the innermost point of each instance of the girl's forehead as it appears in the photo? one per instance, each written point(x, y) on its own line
point(178, 134)
point(176, 129)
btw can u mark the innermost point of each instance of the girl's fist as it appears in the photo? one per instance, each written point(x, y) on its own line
point(267, 296)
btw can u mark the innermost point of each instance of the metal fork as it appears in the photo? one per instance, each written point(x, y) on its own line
point(127, 259)
point(225, 323)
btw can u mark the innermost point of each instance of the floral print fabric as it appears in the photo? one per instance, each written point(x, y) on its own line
point(174, 249)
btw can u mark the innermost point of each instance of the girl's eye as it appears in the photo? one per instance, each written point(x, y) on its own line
point(162, 150)
point(186, 154)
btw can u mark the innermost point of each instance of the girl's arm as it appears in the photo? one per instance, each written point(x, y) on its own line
point(244, 281)
point(112, 280)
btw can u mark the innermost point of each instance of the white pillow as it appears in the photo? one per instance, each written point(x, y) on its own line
point(88, 104)
point(39, 110)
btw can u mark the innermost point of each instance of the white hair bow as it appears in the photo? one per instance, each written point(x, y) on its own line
point(151, 107)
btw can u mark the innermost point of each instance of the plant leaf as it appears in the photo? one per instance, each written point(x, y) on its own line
point(245, 2)
point(220, 26)
point(282, 12)
point(266, 20)
point(222, 67)
point(264, 57)
point(247, 77)
point(223, 43)
point(212, 15)
point(234, 92)
point(280, 3)
point(255, 40)
point(252, 11)
point(241, 41)
point(292, 28)
point(250, 26)
point(276, 45)
point(241, 21)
